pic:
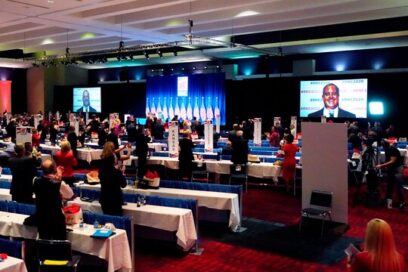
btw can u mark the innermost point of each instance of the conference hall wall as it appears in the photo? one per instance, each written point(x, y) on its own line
point(122, 98)
point(269, 97)
point(18, 87)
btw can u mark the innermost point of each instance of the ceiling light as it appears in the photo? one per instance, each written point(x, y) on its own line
point(246, 13)
point(88, 35)
point(47, 41)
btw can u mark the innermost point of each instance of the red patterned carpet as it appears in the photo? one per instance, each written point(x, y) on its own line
point(269, 204)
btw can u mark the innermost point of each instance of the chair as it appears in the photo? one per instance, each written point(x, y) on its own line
point(56, 250)
point(320, 206)
point(11, 247)
point(239, 171)
point(199, 172)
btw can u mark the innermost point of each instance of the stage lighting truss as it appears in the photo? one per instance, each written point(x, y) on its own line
point(190, 43)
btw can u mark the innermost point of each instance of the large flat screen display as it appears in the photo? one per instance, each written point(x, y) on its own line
point(87, 99)
point(345, 98)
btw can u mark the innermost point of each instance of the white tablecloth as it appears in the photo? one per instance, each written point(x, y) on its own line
point(86, 153)
point(5, 194)
point(114, 249)
point(212, 200)
point(264, 170)
point(157, 146)
point(12, 264)
point(166, 218)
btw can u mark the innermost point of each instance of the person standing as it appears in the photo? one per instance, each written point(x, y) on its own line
point(23, 169)
point(49, 215)
point(186, 157)
point(394, 165)
point(65, 158)
point(142, 148)
point(112, 181)
point(289, 162)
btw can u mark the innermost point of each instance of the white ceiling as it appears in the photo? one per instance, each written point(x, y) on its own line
point(90, 25)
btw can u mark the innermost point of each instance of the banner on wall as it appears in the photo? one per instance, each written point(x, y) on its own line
point(277, 121)
point(173, 138)
point(208, 136)
point(23, 135)
point(293, 125)
point(257, 131)
point(217, 123)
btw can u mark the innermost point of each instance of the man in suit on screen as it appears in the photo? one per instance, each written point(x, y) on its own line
point(331, 107)
point(86, 107)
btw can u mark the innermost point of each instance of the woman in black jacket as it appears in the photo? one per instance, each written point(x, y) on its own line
point(111, 182)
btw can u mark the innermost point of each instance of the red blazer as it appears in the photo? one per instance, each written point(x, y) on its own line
point(67, 160)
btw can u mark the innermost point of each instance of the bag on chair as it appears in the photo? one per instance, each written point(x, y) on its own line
point(73, 214)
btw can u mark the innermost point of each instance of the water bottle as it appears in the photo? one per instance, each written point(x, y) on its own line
point(96, 224)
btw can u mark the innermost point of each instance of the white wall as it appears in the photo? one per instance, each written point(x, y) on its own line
point(324, 165)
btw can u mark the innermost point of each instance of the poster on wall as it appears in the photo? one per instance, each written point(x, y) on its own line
point(258, 131)
point(173, 138)
point(208, 136)
point(293, 125)
point(277, 121)
point(24, 135)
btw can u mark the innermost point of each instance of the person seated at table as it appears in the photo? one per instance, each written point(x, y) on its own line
point(23, 170)
point(49, 217)
point(380, 253)
point(112, 181)
point(65, 158)
point(31, 153)
point(186, 157)
point(289, 162)
point(239, 149)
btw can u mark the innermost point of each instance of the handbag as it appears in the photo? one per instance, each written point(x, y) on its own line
point(73, 214)
point(152, 179)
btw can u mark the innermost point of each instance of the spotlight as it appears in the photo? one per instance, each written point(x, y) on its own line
point(159, 53)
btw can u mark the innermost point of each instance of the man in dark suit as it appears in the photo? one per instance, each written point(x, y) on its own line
point(86, 107)
point(23, 169)
point(239, 149)
point(331, 107)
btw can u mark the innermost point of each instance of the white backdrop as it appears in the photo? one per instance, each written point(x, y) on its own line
point(324, 163)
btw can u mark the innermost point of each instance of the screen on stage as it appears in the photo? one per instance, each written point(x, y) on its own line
point(197, 95)
point(346, 98)
point(87, 99)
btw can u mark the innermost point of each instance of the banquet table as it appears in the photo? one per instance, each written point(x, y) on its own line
point(12, 264)
point(5, 194)
point(114, 249)
point(208, 199)
point(178, 220)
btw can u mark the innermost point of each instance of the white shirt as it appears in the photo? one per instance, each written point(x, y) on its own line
point(327, 112)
